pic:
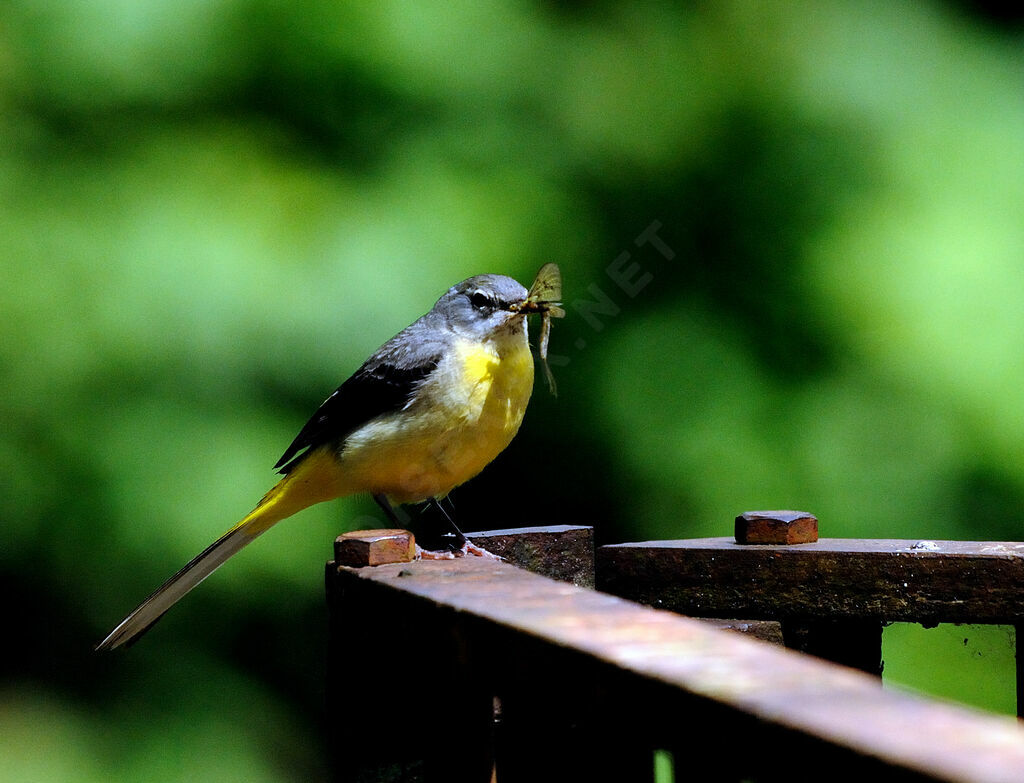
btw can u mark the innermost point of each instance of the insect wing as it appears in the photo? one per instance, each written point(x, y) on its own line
point(547, 286)
point(555, 311)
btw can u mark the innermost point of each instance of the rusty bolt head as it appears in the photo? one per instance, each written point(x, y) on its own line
point(776, 527)
point(359, 548)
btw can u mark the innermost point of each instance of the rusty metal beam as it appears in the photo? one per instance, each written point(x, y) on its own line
point(925, 582)
point(562, 552)
point(618, 678)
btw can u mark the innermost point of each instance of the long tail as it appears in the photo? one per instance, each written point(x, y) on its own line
point(313, 480)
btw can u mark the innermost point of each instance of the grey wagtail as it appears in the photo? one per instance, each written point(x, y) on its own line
point(425, 413)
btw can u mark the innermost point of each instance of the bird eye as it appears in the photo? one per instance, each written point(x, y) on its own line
point(480, 300)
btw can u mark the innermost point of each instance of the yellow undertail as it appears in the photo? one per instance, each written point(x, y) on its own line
point(315, 479)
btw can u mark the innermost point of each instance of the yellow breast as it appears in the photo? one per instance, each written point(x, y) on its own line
point(464, 415)
point(490, 389)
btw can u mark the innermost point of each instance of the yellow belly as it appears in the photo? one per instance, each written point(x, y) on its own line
point(463, 416)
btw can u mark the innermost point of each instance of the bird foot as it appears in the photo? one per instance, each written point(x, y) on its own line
point(469, 548)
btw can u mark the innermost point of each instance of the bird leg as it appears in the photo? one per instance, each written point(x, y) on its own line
point(389, 510)
point(467, 547)
point(451, 522)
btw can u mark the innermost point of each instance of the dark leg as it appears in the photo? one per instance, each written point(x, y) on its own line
point(458, 539)
point(451, 505)
point(389, 510)
point(459, 544)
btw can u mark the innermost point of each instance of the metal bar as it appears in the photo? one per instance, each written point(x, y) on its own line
point(411, 700)
point(887, 580)
point(856, 643)
point(549, 730)
point(562, 552)
point(645, 675)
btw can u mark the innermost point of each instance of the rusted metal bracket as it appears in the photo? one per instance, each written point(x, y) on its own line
point(887, 579)
point(831, 595)
point(590, 684)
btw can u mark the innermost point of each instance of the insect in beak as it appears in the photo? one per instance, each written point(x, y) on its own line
point(545, 297)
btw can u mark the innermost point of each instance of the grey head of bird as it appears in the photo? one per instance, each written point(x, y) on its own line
point(483, 304)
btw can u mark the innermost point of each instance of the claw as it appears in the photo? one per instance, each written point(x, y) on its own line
point(468, 548)
point(430, 554)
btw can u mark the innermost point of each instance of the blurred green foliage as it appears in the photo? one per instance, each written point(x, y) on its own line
point(211, 212)
point(969, 663)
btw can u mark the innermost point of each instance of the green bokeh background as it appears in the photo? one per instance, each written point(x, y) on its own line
point(211, 212)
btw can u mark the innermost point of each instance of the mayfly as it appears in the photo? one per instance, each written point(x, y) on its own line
point(545, 297)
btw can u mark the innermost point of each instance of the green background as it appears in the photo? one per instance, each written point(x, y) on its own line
point(211, 212)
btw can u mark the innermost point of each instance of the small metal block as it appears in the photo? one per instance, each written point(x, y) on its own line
point(359, 548)
point(776, 527)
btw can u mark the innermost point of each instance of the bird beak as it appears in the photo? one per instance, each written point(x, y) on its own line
point(531, 305)
point(528, 306)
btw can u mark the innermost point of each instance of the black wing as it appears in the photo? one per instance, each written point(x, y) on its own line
point(382, 385)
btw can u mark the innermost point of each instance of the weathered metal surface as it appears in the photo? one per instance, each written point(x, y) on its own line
point(766, 630)
point(884, 579)
point(359, 548)
point(562, 552)
point(642, 675)
point(407, 701)
point(776, 527)
point(424, 713)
